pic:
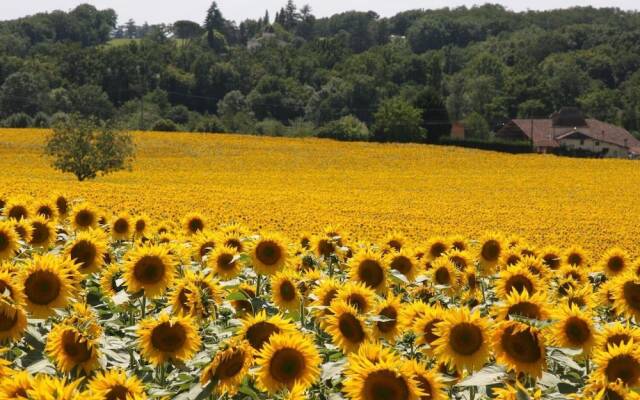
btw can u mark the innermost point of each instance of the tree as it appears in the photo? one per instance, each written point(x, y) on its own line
point(435, 118)
point(476, 127)
point(22, 92)
point(87, 147)
point(214, 22)
point(186, 30)
point(398, 121)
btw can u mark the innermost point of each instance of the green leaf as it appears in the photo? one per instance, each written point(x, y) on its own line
point(332, 370)
point(237, 296)
point(489, 375)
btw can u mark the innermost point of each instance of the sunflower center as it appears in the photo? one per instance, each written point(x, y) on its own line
point(258, 334)
point(225, 262)
point(615, 264)
point(623, 367)
point(235, 243)
point(168, 338)
point(84, 253)
point(351, 328)
point(459, 262)
point(268, 253)
point(40, 233)
point(521, 346)
point(524, 309)
point(196, 224)
point(552, 261)
point(7, 322)
point(425, 386)
point(62, 205)
point(287, 365)
point(401, 264)
point(491, 250)
point(4, 241)
point(45, 211)
point(472, 281)
point(437, 249)
point(205, 248)
point(329, 296)
point(390, 313)
point(394, 244)
point(519, 283)
point(358, 301)
point(305, 243)
point(75, 349)
point(577, 330)
point(371, 273)
point(513, 259)
point(121, 226)
point(465, 339)
point(149, 270)
point(617, 340)
point(42, 287)
point(287, 291)
point(141, 225)
point(429, 331)
point(231, 366)
point(18, 213)
point(118, 392)
point(442, 276)
point(574, 259)
point(325, 247)
point(385, 385)
point(631, 291)
point(84, 218)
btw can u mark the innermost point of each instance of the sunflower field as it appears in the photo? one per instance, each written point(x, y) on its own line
point(127, 307)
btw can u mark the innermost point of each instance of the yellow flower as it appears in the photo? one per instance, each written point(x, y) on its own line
point(163, 338)
point(383, 380)
point(202, 244)
point(389, 310)
point(269, 254)
point(8, 241)
point(369, 268)
point(393, 241)
point(324, 294)
point(424, 325)
point(149, 268)
point(626, 295)
point(436, 246)
point(517, 278)
point(347, 328)
point(573, 329)
point(141, 225)
point(615, 334)
point(47, 283)
point(115, 384)
point(614, 262)
point(444, 273)
point(16, 385)
point(228, 368)
point(257, 329)
point(576, 256)
point(463, 339)
point(121, 227)
point(284, 291)
point(404, 262)
point(195, 294)
point(358, 295)
point(17, 208)
point(491, 248)
point(23, 228)
point(87, 250)
point(619, 363)
point(46, 209)
point(224, 261)
point(47, 387)
point(70, 348)
point(84, 216)
point(43, 232)
point(551, 257)
point(519, 347)
point(193, 223)
point(524, 305)
point(429, 381)
point(108, 279)
point(286, 360)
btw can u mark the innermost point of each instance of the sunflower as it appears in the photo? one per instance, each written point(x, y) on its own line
point(323, 246)
point(224, 261)
point(232, 239)
point(269, 254)
point(17, 208)
point(62, 205)
point(388, 313)
point(436, 246)
point(385, 380)
point(284, 291)
point(121, 227)
point(424, 325)
point(460, 258)
point(304, 240)
point(429, 381)
point(519, 347)
point(404, 262)
point(575, 273)
point(358, 295)
point(574, 328)
point(615, 334)
point(534, 265)
point(193, 223)
point(517, 392)
point(580, 296)
point(69, 348)
point(285, 360)
point(614, 262)
point(491, 248)
point(13, 320)
point(523, 304)
point(369, 268)
point(163, 338)
point(323, 295)
point(576, 256)
point(195, 294)
point(471, 278)
point(373, 352)
point(297, 392)
point(115, 384)
point(393, 241)
point(411, 312)
point(141, 225)
point(228, 368)
point(24, 229)
point(46, 283)
point(347, 328)
point(109, 280)
point(8, 241)
point(46, 209)
point(243, 306)
point(458, 242)
point(606, 292)
point(510, 257)
point(517, 278)
point(626, 295)
point(463, 339)
point(619, 362)
point(551, 257)
point(609, 391)
point(84, 216)
point(149, 268)
point(43, 233)
point(258, 329)
point(16, 385)
point(202, 244)
point(88, 250)
point(444, 273)
point(46, 387)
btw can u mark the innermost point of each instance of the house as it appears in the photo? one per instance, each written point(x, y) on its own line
point(457, 130)
point(568, 129)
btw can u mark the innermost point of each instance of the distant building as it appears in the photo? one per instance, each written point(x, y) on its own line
point(569, 128)
point(457, 130)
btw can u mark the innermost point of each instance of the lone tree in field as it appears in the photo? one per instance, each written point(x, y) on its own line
point(87, 147)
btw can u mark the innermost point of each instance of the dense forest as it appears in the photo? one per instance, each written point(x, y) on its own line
point(350, 76)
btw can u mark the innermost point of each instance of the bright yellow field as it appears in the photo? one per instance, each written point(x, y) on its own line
point(296, 185)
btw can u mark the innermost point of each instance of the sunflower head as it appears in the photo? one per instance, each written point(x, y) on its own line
point(8, 240)
point(285, 292)
point(346, 327)
point(149, 268)
point(369, 268)
point(444, 273)
point(88, 250)
point(323, 295)
point(269, 254)
point(388, 315)
point(517, 278)
point(46, 209)
point(619, 363)
point(614, 262)
point(13, 320)
point(458, 242)
point(424, 325)
point(229, 367)
point(62, 205)
point(162, 338)
point(436, 246)
point(576, 256)
point(615, 334)
point(16, 385)
point(286, 360)
point(519, 347)
point(225, 262)
point(122, 227)
point(393, 241)
point(492, 246)
point(381, 381)
point(84, 216)
point(574, 328)
point(460, 258)
point(43, 232)
point(404, 262)
point(17, 208)
point(193, 223)
point(523, 304)
point(115, 384)
point(70, 348)
point(47, 282)
point(357, 295)
point(202, 244)
point(258, 329)
point(429, 381)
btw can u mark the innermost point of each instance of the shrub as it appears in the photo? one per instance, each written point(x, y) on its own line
point(179, 114)
point(398, 121)
point(41, 120)
point(270, 127)
point(347, 128)
point(476, 127)
point(165, 125)
point(209, 124)
point(19, 120)
point(87, 147)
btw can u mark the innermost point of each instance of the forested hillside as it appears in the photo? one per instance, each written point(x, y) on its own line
point(351, 76)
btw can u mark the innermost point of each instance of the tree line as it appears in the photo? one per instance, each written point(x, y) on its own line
point(351, 76)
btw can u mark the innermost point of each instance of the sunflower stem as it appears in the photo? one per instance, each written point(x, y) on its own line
point(143, 306)
point(302, 313)
point(472, 392)
point(258, 284)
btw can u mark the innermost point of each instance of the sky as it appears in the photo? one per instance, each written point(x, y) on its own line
point(168, 11)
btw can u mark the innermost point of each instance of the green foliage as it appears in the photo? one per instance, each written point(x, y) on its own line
point(476, 127)
point(348, 128)
point(165, 125)
point(398, 121)
point(209, 124)
point(86, 147)
point(19, 120)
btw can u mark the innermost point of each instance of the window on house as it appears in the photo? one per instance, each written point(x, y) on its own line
point(597, 143)
point(581, 142)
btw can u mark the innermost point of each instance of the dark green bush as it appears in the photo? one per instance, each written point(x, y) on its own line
point(165, 125)
point(19, 120)
point(349, 129)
